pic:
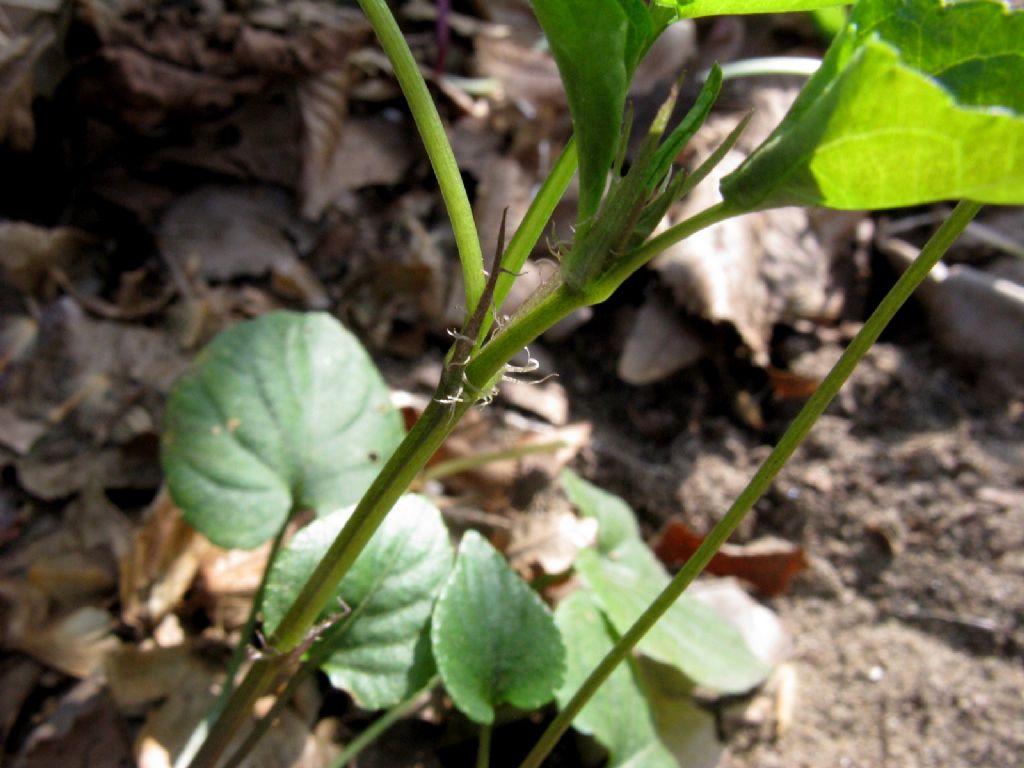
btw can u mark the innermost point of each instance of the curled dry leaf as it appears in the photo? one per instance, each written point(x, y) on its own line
point(769, 564)
point(225, 232)
point(756, 270)
point(658, 345)
point(28, 253)
point(342, 153)
point(22, 46)
point(83, 731)
point(546, 542)
point(160, 565)
point(75, 643)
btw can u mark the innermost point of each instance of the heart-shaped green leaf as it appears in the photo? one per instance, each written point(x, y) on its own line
point(618, 715)
point(916, 101)
point(494, 639)
point(380, 651)
point(282, 412)
point(694, 9)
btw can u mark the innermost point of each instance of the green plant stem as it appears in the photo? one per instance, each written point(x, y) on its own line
point(537, 217)
point(201, 730)
point(466, 463)
point(549, 306)
point(815, 406)
point(483, 749)
point(439, 150)
point(381, 724)
point(236, 712)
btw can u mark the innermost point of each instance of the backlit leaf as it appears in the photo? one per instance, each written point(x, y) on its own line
point(915, 102)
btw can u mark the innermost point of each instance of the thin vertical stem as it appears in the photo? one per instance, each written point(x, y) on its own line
point(381, 724)
point(483, 750)
point(793, 437)
point(439, 150)
point(235, 662)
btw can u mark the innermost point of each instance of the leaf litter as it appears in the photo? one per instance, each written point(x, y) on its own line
point(248, 157)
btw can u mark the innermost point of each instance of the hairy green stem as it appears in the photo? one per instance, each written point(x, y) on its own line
point(537, 217)
point(551, 304)
point(793, 437)
point(381, 724)
point(439, 150)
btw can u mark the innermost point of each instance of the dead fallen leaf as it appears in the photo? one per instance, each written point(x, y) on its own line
point(546, 542)
point(226, 232)
point(658, 345)
point(160, 565)
point(84, 731)
point(757, 270)
point(22, 46)
point(788, 385)
point(75, 643)
point(29, 252)
point(769, 564)
point(228, 579)
point(341, 152)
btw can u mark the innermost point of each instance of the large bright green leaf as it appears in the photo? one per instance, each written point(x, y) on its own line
point(381, 649)
point(619, 715)
point(596, 44)
point(494, 639)
point(690, 636)
point(915, 102)
point(280, 412)
point(693, 9)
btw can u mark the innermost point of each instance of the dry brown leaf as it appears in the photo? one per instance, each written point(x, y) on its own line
point(161, 564)
point(756, 270)
point(547, 542)
point(547, 400)
point(28, 253)
point(527, 75)
point(75, 643)
point(229, 579)
point(225, 232)
point(658, 345)
point(369, 151)
point(21, 49)
point(84, 731)
point(769, 564)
